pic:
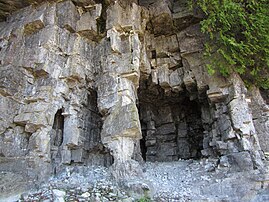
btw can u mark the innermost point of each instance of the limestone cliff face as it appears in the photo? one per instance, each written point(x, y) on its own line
point(116, 83)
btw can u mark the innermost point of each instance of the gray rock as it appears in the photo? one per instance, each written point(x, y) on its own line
point(67, 15)
point(90, 83)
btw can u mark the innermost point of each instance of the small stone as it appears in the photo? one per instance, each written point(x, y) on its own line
point(210, 167)
point(59, 195)
point(224, 162)
point(104, 199)
point(86, 195)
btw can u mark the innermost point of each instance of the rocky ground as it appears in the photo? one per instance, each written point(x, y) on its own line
point(184, 180)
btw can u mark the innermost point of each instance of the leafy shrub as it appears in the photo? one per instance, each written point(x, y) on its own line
point(144, 199)
point(238, 32)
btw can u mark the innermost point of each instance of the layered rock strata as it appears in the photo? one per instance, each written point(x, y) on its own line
point(116, 82)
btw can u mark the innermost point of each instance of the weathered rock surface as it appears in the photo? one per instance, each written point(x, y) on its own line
point(116, 83)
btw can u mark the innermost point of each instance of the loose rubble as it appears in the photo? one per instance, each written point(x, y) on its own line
point(184, 180)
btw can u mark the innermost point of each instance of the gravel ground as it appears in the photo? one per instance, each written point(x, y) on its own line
point(184, 180)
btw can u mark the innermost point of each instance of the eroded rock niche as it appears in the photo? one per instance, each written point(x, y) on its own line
point(171, 124)
point(85, 149)
point(56, 137)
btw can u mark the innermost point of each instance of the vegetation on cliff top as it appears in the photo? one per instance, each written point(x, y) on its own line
point(238, 33)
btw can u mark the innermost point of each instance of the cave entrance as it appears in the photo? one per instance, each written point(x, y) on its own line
point(56, 137)
point(171, 125)
point(58, 126)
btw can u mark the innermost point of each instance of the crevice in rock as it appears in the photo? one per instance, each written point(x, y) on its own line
point(153, 54)
point(58, 126)
point(56, 138)
point(145, 2)
point(96, 152)
point(101, 21)
point(265, 95)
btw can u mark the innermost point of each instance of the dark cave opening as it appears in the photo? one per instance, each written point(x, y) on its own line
point(56, 137)
point(171, 124)
point(58, 126)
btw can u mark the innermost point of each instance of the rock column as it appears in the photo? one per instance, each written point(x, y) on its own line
point(117, 87)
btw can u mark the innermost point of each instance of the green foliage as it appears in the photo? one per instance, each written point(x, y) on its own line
point(238, 32)
point(144, 199)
